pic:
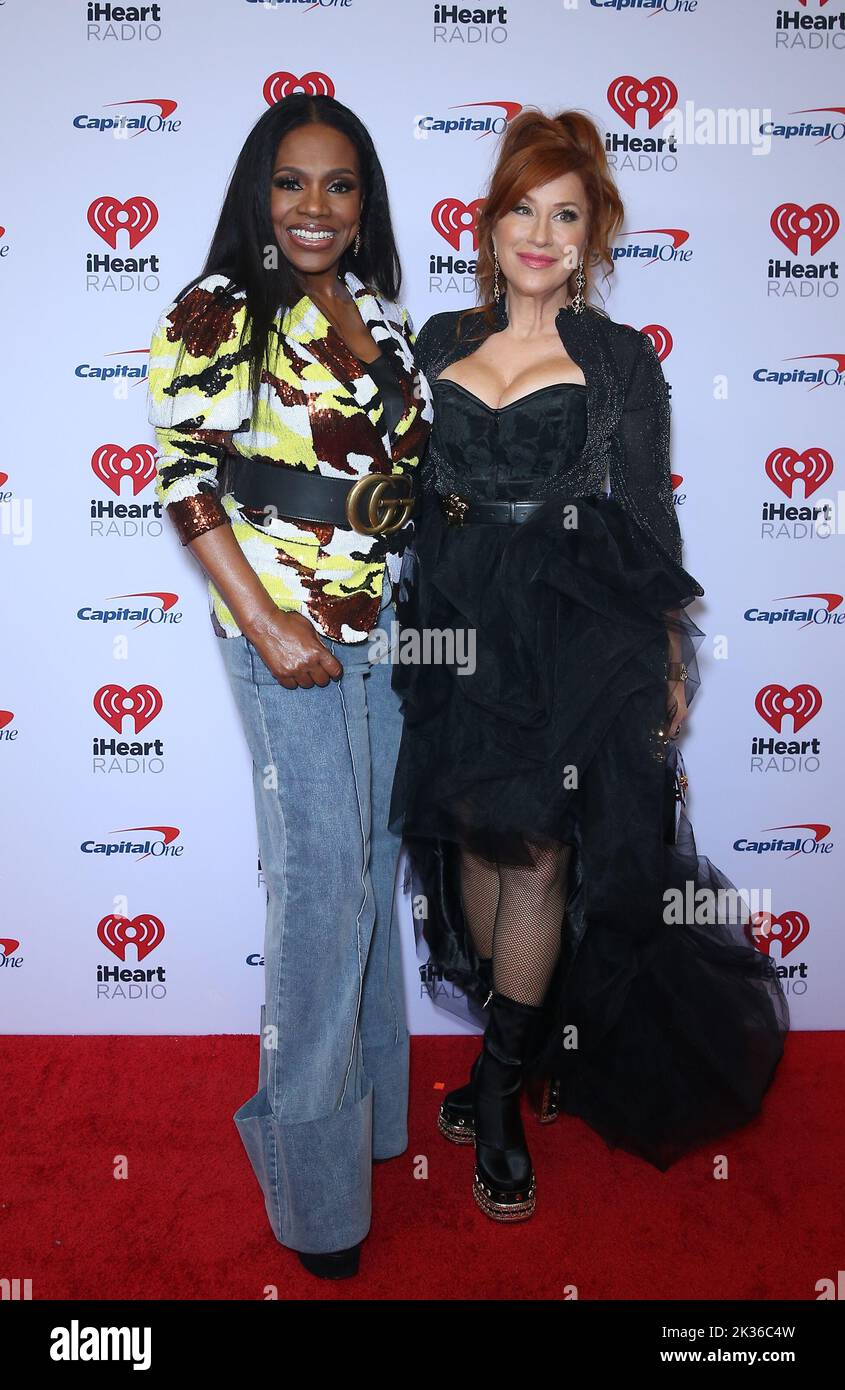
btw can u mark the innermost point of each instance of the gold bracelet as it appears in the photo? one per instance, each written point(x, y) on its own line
point(677, 671)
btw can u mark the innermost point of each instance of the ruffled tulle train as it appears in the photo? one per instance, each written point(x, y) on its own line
point(545, 723)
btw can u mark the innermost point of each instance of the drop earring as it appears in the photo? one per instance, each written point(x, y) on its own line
point(356, 245)
point(579, 303)
point(496, 290)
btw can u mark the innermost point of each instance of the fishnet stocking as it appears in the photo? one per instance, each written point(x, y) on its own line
point(480, 897)
point(515, 914)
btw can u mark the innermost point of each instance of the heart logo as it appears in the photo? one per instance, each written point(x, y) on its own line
point(283, 84)
point(137, 216)
point(112, 464)
point(628, 95)
point(144, 932)
point(774, 702)
point(660, 337)
point(818, 223)
point(451, 218)
point(789, 928)
point(786, 467)
point(141, 704)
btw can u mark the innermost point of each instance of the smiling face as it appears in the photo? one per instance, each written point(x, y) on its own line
point(540, 241)
point(316, 196)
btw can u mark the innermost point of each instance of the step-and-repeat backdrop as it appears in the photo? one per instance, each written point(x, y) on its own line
point(132, 898)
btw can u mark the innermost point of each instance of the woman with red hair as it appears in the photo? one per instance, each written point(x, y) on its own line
point(537, 786)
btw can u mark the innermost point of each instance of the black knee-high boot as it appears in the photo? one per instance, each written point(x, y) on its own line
point(455, 1119)
point(503, 1185)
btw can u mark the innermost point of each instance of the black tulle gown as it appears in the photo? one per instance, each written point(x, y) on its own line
point(664, 1027)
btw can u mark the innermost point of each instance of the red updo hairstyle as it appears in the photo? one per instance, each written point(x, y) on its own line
point(534, 149)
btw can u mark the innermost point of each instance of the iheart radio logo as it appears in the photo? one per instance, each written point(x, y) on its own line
point(141, 704)
point(628, 95)
point(818, 223)
point(144, 932)
point(821, 2)
point(284, 84)
point(137, 463)
point(786, 467)
point(774, 702)
point(661, 338)
point(451, 218)
point(137, 216)
point(789, 928)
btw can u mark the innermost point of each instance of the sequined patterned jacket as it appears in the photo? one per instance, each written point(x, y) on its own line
point(627, 414)
point(317, 410)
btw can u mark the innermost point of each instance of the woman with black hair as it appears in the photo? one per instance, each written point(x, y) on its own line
point(290, 419)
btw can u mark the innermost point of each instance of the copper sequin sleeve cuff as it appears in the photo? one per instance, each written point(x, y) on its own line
point(193, 515)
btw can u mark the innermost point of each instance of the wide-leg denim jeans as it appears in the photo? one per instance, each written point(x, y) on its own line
point(332, 1088)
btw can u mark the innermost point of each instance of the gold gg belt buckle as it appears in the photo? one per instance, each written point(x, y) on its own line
point(373, 510)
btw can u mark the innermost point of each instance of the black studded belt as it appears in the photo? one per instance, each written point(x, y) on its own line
point(374, 504)
point(459, 510)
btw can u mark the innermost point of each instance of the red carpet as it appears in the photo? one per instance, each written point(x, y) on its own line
point(189, 1223)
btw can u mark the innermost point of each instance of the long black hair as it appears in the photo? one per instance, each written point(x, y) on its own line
point(245, 229)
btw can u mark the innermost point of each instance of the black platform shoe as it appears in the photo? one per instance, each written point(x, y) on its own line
point(332, 1264)
point(543, 1096)
point(456, 1120)
point(503, 1185)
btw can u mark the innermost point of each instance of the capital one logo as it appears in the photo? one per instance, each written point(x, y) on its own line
point(818, 223)
point(628, 96)
point(137, 216)
point(141, 704)
point(284, 84)
point(8, 946)
point(789, 928)
point(144, 932)
point(112, 464)
point(785, 467)
point(660, 337)
point(451, 218)
point(775, 702)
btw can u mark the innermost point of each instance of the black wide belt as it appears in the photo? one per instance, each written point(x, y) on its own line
point(374, 504)
point(459, 510)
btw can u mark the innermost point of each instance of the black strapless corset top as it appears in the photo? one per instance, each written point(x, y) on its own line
point(506, 451)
